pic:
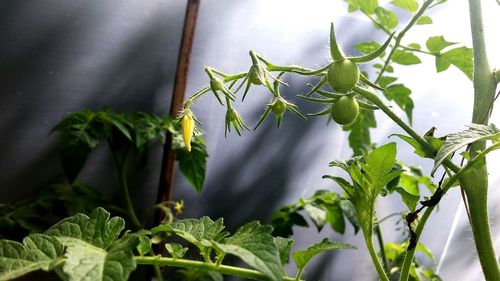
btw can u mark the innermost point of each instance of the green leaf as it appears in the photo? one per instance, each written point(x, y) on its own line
point(384, 81)
point(388, 69)
point(380, 161)
point(405, 58)
point(254, 244)
point(415, 46)
point(436, 43)
point(335, 217)
point(350, 213)
point(455, 141)
point(367, 6)
point(424, 20)
point(359, 136)
point(145, 246)
point(367, 47)
point(194, 230)
point(419, 150)
point(37, 252)
point(461, 57)
point(409, 5)
point(94, 250)
point(421, 248)
point(284, 246)
point(387, 18)
point(303, 257)
point(193, 164)
point(409, 199)
point(401, 95)
point(176, 250)
point(284, 219)
point(149, 127)
point(318, 215)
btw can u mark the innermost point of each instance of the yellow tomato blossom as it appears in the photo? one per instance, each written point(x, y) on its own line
point(178, 206)
point(187, 128)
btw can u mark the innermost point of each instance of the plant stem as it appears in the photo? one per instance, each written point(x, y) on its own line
point(477, 193)
point(380, 240)
point(122, 181)
point(378, 102)
point(375, 260)
point(224, 269)
point(475, 182)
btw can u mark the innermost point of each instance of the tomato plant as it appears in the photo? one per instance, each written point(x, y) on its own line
point(78, 244)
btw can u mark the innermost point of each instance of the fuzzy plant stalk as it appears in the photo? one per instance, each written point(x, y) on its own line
point(199, 265)
point(475, 182)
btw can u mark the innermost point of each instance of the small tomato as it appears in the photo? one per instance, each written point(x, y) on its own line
point(345, 110)
point(343, 75)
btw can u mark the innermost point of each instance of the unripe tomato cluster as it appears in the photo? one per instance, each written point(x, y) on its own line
point(342, 76)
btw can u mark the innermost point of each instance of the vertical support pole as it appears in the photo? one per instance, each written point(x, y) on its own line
point(165, 187)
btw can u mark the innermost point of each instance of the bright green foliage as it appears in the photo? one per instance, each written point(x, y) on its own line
point(254, 244)
point(387, 18)
point(401, 95)
point(195, 231)
point(303, 257)
point(367, 6)
point(176, 250)
point(405, 58)
point(419, 150)
point(395, 255)
point(424, 20)
point(79, 248)
point(367, 47)
point(457, 140)
point(436, 43)
point(384, 81)
point(145, 245)
point(37, 252)
point(359, 137)
point(461, 57)
point(284, 246)
point(369, 177)
point(409, 5)
point(94, 249)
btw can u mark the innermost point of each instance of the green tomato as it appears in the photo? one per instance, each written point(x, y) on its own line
point(343, 75)
point(345, 110)
point(278, 107)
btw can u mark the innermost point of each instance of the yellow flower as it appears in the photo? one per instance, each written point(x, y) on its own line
point(187, 128)
point(178, 206)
